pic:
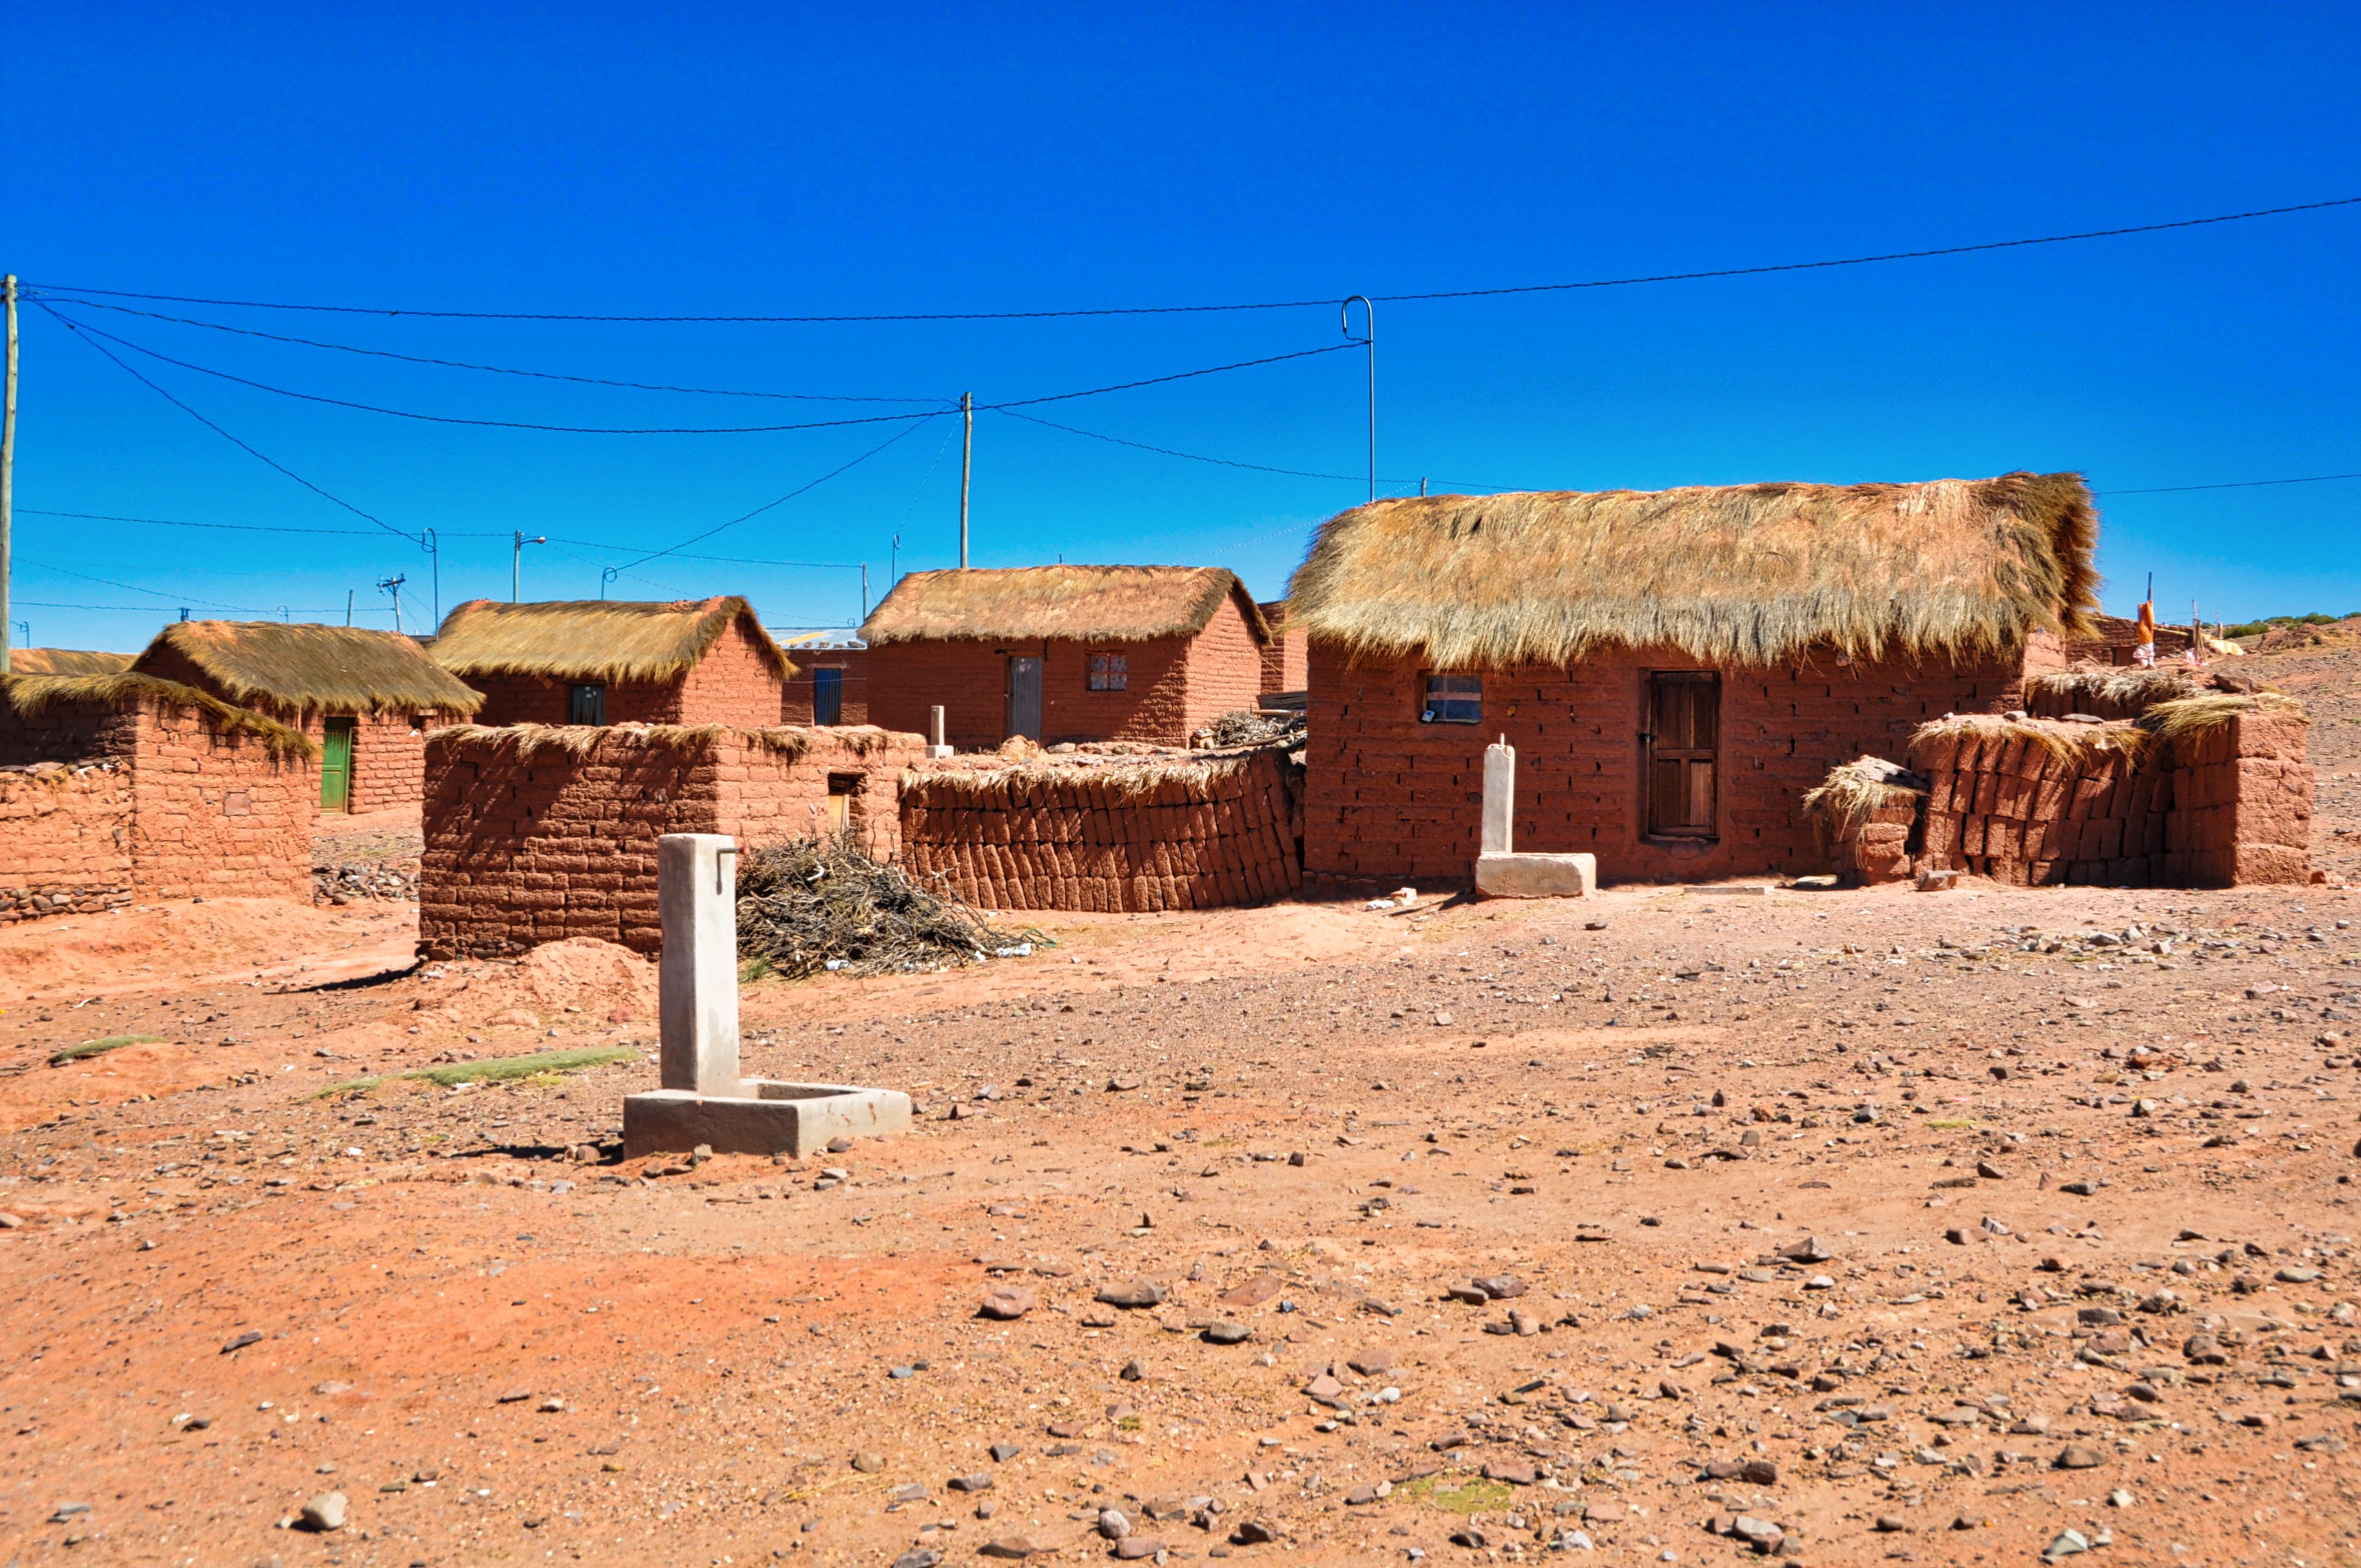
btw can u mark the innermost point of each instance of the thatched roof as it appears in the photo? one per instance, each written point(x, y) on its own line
point(308, 667)
point(65, 662)
point(595, 640)
point(1742, 574)
point(30, 696)
point(1031, 604)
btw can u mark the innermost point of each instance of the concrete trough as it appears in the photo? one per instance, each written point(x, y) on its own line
point(765, 1117)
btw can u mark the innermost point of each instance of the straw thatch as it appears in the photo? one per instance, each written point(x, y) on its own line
point(1741, 575)
point(2079, 744)
point(595, 640)
point(307, 667)
point(582, 740)
point(1081, 604)
point(1127, 779)
point(2117, 686)
point(31, 696)
point(66, 662)
point(2179, 720)
point(1854, 793)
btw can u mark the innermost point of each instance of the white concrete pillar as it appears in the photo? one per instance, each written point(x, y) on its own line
point(934, 746)
point(696, 980)
point(1500, 796)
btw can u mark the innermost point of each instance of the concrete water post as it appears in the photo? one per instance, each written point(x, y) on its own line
point(934, 746)
point(696, 899)
point(1500, 796)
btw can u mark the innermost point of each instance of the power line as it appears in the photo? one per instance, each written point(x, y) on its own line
point(767, 506)
point(1326, 302)
point(225, 436)
point(135, 587)
point(491, 370)
point(2231, 485)
point(226, 527)
point(1233, 463)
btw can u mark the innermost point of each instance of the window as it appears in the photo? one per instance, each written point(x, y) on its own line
point(1683, 736)
point(827, 697)
point(1454, 699)
point(843, 789)
point(589, 705)
point(1110, 672)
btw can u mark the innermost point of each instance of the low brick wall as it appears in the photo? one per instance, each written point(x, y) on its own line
point(2110, 805)
point(535, 835)
point(65, 839)
point(1112, 837)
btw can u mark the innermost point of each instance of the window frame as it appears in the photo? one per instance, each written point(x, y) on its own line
point(1459, 689)
point(593, 694)
point(1107, 673)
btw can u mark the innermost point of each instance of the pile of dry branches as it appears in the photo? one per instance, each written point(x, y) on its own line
point(819, 906)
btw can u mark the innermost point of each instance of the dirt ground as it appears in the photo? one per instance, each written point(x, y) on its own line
point(1879, 1226)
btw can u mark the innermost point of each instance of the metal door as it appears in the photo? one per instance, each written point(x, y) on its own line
point(336, 765)
point(827, 697)
point(1025, 697)
point(1684, 718)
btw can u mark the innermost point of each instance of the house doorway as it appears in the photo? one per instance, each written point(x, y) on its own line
point(336, 764)
point(1025, 697)
point(827, 697)
point(1684, 751)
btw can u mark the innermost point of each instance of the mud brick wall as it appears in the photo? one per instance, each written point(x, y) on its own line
point(524, 847)
point(733, 684)
point(852, 664)
point(1878, 848)
point(1391, 798)
point(65, 839)
point(1176, 685)
point(1153, 836)
point(2227, 806)
point(215, 815)
point(1282, 657)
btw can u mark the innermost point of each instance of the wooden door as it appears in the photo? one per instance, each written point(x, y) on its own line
point(336, 765)
point(1025, 697)
point(1684, 747)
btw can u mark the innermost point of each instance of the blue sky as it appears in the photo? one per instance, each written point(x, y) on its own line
point(769, 161)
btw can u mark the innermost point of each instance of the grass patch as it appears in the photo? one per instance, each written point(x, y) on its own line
point(1459, 1494)
point(100, 1047)
point(1956, 1124)
point(495, 1070)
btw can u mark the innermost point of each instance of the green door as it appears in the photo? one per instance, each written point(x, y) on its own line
point(336, 765)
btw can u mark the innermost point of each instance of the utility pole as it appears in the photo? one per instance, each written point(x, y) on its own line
point(7, 467)
point(516, 562)
point(1369, 337)
point(967, 461)
point(348, 606)
point(393, 585)
point(864, 590)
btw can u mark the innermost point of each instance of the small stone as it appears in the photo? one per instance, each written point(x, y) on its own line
point(1132, 1548)
point(2080, 1456)
point(1254, 1532)
point(1371, 1363)
point(242, 1341)
point(550, 1406)
point(1132, 1371)
point(1515, 1472)
point(1500, 1287)
point(1002, 1453)
point(324, 1512)
point(1222, 1331)
point(1006, 1303)
point(1113, 1524)
point(2067, 1543)
point(1809, 1250)
point(1764, 1534)
point(978, 1482)
point(868, 1463)
point(1138, 1293)
point(918, 1557)
point(1890, 1524)
point(2297, 1276)
point(1012, 1546)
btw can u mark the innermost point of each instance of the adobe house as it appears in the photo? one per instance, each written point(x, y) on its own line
point(1283, 670)
point(616, 661)
point(121, 786)
point(830, 685)
point(365, 700)
point(1675, 668)
point(1064, 652)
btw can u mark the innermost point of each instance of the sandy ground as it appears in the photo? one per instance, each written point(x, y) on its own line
point(1912, 1226)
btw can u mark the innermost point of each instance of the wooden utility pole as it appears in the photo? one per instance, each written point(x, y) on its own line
point(8, 468)
point(967, 454)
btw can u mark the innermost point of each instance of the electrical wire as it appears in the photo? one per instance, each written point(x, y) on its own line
point(767, 506)
point(1757, 270)
point(492, 369)
point(685, 430)
point(234, 441)
point(225, 527)
point(2231, 485)
point(1233, 463)
point(135, 587)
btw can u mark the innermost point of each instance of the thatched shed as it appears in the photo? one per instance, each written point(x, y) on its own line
point(1065, 652)
point(66, 662)
point(1677, 668)
point(365, 699)
point(616, 661)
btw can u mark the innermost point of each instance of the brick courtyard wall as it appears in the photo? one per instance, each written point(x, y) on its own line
point(2227, 806)
point(1389, 798)
point(526, 847)
point(795, 697)
point(733, 684)
point(1126, 836)
point(1175, 685)
point(210, 812)
point(65, 839)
